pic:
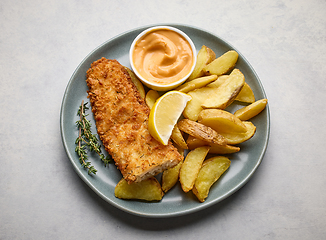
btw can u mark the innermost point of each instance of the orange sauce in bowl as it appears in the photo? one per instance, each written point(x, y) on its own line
point(163, 56)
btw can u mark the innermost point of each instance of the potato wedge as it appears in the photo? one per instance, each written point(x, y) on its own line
point(147, 190)
point(199, 96)
point(137, 82)
point(193, 143)
point(218, 82)
point(210, 172)
point(221, 121)
point(251, 110)
point(170, 177)
point(191, 166)
point(177, 137)
point(222, 64)
point(246, 94)
point(201, 131)
point(180, 149)
point(236, 138)
point(151, 98)
point(204, 57)
point(227, 92)
point(196, 83)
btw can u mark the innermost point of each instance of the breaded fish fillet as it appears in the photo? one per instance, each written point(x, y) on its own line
point(121, 117)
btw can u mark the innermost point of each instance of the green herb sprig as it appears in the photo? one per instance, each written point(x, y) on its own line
point(87, 139)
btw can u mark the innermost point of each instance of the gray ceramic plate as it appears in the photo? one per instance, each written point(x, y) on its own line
point(175, 202)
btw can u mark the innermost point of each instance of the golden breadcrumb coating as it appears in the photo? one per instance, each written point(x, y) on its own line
point(121, 117)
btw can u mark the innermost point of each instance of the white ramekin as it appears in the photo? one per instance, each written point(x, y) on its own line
point(157, 86)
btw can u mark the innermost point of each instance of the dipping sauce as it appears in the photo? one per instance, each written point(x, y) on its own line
point(163, 56)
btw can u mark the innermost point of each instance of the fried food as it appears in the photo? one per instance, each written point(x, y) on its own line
point(137, 82)
point(246, 94)
point(221, 121)
point(121, 117)
point(236, 138)
point(177, 137)
point(191, 166)
point(151, 97)
point(227, 92)
point(147, 190)
point(251, 110)
point(201, 131)
point(170, 177)
point(193, 143)
point(204, 57)
point(194, 106)
point(218, 82)
point(222, 64)
point(196, 83)
point(210, 172)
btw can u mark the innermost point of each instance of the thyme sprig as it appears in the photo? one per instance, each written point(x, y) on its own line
point(87, 139)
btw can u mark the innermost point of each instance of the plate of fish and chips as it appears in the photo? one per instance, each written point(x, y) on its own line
point(175, 201)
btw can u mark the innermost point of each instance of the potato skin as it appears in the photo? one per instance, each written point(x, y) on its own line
point(212, 88)
point(194, 106)
point(191, 166)
point(146, 190)
point(221, 121)
point(177, 137)
point(222, 64)
point(193, 143)
point(210, 172)
point(151, 97)
point(236, 138)
point(246, 94)
point(196, 83)
point(201, 131)
point(137, 82)
point(170, 177)
point(204, 57)
point(251, 110)
point(226, 92)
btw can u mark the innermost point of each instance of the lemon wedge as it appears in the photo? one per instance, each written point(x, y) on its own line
point(165, 114)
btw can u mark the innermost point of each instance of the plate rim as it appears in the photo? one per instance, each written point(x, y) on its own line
point(177, 213)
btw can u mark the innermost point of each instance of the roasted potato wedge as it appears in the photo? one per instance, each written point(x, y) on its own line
point(218, 82)
point(227, 92)
point(147, 190)
point(196, 83)
point(251, 110)
point(199, 96)
point(246, 94)
point(191, 166)
point(221, 121)
point(180, 149)
point(204, 57)
point(137, 82)
point(151, 98)
point(193, 143)
point(222, 64)
point(170, 177)
point(236, 138)
point(210, 172)
point(201, 131)
point(177, 137)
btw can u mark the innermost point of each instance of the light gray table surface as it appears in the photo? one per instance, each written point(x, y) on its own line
point(42, 43)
